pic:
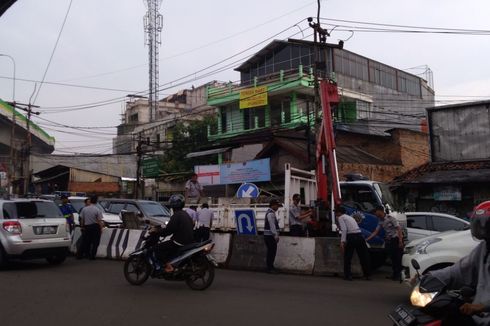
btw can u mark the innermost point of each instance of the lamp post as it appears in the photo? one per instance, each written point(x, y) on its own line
point(12, 136)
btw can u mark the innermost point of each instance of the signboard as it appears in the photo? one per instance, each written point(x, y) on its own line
point(151, 167)
point(245, 222)
point(253, 97)
point(249, 171)
point(234, 173)
point(248, 190)
point(447, 193)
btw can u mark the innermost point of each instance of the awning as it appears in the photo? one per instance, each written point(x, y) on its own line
point(208, 152)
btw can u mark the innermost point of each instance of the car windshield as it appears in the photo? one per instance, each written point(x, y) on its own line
point(386, 195)
point(27, 210)
point(78, 204)
point(154, 209)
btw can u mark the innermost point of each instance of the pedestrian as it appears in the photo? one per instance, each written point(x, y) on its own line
point(351, 239)
point(92, 225)
point(393, 240)
point(192, 211)
point(297, 218)
point(67, 210)
point(193, 190)
point(271, 234)
point(204, 222)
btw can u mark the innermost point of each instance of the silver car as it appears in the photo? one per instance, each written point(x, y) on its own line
point(33, 228)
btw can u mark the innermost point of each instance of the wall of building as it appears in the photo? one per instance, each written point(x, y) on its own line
point(86, 176)
point(414, 147)
point(384, 173)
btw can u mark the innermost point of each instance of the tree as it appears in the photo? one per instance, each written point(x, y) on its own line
point(188, 137)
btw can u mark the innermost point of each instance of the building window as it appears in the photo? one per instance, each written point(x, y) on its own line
point(223, 121)
point(133, 117)
point(286, 111)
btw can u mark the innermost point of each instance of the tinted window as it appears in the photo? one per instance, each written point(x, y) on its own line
point(77, 204)
point(359, 196)
point(442, 224)
point(417, 222)
point(26, 210)
point(132, 208)
point(116, 208)
point(154, 209)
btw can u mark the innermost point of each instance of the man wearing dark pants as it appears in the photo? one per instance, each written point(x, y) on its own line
point(271, 234)
point(393, 240)
point(91, 219)
point(352, 239)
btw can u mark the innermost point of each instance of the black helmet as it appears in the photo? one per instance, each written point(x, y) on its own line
point(176, 201)
point(480, 221)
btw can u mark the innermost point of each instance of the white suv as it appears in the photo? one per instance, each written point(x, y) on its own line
point(424, 224)
point(437, 251)
point(33, 228)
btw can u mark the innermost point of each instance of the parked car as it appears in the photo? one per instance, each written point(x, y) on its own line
point(437, 251)
point(110, 220)
point(33, 228)
point(150, 211)
point(424, 224)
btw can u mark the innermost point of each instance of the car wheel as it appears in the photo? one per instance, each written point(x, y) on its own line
point(56, 259)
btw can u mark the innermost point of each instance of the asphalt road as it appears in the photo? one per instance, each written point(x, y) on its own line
point(96, 293)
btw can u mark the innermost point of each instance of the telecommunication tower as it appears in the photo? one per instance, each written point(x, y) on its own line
point(153, 23)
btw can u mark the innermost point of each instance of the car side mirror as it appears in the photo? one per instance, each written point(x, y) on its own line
point(415, 264)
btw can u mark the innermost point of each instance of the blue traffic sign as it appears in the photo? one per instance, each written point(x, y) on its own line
point(248, 190)
point(245, 222)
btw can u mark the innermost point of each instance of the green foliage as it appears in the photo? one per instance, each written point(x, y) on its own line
point(188, 137)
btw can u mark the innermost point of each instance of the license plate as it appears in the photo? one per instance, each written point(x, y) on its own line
point(401, 316)
point(39, 230)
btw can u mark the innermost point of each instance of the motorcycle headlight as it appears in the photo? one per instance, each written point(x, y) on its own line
point(419, 299)
point(421, 248)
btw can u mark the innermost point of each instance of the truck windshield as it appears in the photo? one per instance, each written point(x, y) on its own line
point(385, 194)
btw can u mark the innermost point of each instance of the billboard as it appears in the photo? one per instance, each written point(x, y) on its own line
point(234, 173)
point(253, 97)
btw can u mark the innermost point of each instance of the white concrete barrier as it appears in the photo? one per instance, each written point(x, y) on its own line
point(76, 240)
point(221, 250)
point(134, 241)
point(295, 254)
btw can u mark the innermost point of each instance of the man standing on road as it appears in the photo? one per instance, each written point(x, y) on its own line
point(297, 218)
point(352, 239)
point(271, 234)
point(67, 210)
point(193, 190)
point(192, 211)
point(393, 240)
point(91, 219)
point(204, 222)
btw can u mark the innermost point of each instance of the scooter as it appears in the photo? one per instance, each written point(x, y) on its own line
point(193, 264)
point(433, 304)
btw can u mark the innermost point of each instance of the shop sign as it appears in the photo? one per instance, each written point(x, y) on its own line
point(447, 193)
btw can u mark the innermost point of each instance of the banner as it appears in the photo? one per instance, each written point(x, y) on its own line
point(234, 173)
point(253, 97)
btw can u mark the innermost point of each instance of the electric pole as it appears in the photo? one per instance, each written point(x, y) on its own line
point(139, 154)
point(153, 23)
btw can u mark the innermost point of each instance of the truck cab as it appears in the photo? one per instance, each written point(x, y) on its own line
point(362, 196)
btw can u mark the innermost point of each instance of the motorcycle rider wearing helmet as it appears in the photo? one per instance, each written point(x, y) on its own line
point(180, 227)
point(473, 270)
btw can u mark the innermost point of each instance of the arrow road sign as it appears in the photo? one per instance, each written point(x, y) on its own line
point(248, 190)
point(245, 222)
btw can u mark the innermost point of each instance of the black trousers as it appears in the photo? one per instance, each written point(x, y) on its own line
point(201, 234)
point(393, 249)
point(271, 244)
point(166, 251)
point(356, 242)
point(90, 240)
point(297, 230)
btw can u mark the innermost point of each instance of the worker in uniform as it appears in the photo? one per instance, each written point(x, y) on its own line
point(271, 234)
point(67, 210)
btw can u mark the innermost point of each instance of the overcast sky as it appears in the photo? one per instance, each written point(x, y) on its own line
point(103, 45)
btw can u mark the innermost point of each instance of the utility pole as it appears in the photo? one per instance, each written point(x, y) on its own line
point(27, 173)
point(139, 154)
point(153, 23)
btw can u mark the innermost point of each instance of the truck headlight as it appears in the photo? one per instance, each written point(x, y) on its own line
point(419, 299)
point(421, 248)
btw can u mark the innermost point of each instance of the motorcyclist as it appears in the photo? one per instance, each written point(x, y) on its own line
point(180, 227)
point(474, 269)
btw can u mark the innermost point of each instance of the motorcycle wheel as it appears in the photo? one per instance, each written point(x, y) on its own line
point(202, 275)
point(136, 270)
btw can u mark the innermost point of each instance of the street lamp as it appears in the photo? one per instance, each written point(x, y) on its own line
point(12, 165)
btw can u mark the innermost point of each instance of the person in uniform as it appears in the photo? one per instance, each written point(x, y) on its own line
point(271, 234)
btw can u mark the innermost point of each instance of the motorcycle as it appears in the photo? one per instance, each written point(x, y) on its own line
point(192, 264)
point(433, 304)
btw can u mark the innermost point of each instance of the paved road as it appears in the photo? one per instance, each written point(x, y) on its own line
point(96, 293)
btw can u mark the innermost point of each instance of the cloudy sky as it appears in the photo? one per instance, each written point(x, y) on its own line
point(101, 54)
